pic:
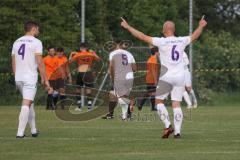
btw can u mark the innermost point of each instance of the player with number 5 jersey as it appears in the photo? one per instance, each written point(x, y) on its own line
point(26, 59)
point(121, 68)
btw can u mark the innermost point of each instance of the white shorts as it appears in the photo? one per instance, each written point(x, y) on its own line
point(188, 80)
point(28, 90)
point(123, 87)
point(176, 94)
point(173, 84)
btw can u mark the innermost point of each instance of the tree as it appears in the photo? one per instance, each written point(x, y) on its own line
point(218, 52)
point(221, 14)
point(59, 24)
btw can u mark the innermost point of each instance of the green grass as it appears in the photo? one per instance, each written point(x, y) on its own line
point(223, 99)
point(213, 133)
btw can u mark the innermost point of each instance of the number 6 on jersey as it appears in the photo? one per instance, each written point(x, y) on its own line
point(175, 54)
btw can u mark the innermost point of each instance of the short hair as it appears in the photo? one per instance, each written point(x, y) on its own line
point(60, 49)
point(50, 47)
point(154, 50)
point(29, 25)
point(83, 45)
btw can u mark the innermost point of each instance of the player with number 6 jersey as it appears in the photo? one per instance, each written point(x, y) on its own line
point(26, 59)
point(172, 76)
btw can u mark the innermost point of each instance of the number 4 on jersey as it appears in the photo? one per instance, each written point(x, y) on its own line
point(21, 51)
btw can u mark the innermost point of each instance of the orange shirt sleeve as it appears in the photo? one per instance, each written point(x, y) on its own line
point(95, 56)
point(84, 58)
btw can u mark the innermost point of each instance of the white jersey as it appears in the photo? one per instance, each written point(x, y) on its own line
point(185, 59)
point(130, 57)
point(25, 49)
point(123, 62)
point(171, 52)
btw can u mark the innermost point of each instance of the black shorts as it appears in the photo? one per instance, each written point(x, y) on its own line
point(151, 88)
point(57, 84)
point(85, 78)
point(52, 84)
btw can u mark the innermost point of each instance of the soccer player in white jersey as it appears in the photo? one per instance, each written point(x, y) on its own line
point(188, 94)
point(26, 59)
point(172, 70)
point(121, 68)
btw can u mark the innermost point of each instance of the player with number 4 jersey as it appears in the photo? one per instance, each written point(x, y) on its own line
point(26, 59)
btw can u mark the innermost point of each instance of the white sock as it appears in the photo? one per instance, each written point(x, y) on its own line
point(124, 110)
point(31, 119)
point(123, 102)
point(23, 119)
point(187, 98)
point(178, 118)
point(163, 114)
point(193, 96)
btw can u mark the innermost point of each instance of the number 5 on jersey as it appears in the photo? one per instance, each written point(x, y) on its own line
point(124, 60)
point(21, 51)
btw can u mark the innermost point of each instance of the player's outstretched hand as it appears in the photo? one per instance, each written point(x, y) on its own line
point(202, 22)
point(72, 54)
point(124, 23)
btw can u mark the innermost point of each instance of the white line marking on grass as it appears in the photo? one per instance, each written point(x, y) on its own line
point(215, 152)
point(114, 139)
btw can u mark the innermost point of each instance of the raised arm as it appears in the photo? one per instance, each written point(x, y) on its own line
point(72, 54)
point(139, 35)
point(96, 57)
point(198, 31)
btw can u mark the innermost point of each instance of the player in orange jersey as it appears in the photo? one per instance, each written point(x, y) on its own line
point(151, 79)
point(50, 62)
point(61, 74)
point(85, 78)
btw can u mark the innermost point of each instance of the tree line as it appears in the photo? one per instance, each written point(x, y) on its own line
point(218, 48)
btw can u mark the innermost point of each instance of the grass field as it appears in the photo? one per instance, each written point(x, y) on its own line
point(213, 133)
